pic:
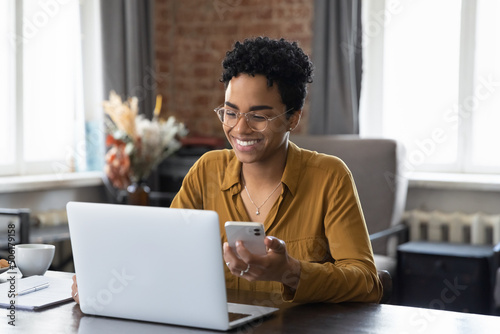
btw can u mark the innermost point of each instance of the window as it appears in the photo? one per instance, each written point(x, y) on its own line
point(432, 81)
point(7, 81)
point(42, 117)
point(485, 118)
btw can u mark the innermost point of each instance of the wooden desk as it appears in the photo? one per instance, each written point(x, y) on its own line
point(291, 318)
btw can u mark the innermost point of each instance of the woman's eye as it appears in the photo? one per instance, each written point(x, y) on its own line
point(230, 114)
point(258, 118)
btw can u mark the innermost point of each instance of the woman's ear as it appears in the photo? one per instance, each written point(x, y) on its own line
point(295, 120)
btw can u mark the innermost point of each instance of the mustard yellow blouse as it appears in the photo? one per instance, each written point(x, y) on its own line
point(318, 215)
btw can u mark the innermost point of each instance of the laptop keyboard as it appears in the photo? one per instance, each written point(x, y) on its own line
point(236, 316)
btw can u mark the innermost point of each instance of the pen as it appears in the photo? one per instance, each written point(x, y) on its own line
point(33, 289)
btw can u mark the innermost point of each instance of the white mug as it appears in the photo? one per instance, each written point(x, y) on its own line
point(33, 259)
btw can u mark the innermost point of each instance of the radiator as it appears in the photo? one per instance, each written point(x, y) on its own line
point(476, 229)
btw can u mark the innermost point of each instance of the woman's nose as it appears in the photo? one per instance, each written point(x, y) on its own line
point(242, 125)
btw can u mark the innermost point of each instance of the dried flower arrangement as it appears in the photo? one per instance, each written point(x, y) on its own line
point(136, 144)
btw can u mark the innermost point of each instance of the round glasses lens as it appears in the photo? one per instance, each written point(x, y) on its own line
point(257, 122)
point(220, 114)
point(229, 118)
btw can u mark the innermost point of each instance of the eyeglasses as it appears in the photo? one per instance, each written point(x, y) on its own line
point(256, 121)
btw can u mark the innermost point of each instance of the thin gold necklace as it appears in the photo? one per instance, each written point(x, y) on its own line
point(257, 212)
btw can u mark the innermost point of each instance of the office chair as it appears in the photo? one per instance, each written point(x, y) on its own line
point(386, 279)
point(376, 165)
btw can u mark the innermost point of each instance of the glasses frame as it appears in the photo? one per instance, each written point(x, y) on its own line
point(239, 114)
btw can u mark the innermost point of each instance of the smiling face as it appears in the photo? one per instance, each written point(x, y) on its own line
point(246, 93)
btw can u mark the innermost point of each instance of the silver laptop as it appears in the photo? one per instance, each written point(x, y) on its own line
point(153, 264)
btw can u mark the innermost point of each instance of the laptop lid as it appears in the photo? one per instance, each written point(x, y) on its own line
point(150, 263)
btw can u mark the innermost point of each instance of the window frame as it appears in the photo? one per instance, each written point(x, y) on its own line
point(89, 108)
point(372, 104)
point(13, 96)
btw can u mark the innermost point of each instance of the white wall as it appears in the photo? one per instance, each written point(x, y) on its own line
point(450, 200)
point(56, 199)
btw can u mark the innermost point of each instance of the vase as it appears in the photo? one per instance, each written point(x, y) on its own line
point(138, 193)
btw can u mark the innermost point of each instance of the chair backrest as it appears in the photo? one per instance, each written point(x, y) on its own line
point(376, 165)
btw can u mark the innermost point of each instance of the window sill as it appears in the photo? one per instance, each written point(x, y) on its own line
point(454, 181)
point(49, 181)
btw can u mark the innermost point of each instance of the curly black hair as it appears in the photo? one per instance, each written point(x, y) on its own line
point(280, 61)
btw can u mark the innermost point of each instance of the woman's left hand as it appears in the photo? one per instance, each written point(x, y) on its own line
point(276, 265)
point(74, 290)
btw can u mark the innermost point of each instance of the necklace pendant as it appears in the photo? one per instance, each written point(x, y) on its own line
point(257, 212)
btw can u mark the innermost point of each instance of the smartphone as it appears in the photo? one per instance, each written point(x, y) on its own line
point(252, 234)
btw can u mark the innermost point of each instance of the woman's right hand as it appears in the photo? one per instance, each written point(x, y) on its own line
point(74, 290)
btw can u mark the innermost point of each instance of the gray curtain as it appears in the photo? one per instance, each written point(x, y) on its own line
point(128, 64)
point(337, 58)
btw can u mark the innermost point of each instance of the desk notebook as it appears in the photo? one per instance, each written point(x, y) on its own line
point(58, 291)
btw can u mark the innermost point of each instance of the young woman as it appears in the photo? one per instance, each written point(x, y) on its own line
point(318, 247)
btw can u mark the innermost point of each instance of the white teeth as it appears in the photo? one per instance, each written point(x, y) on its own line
point(246, 143)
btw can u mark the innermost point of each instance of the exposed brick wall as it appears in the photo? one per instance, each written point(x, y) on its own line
point(192, 37)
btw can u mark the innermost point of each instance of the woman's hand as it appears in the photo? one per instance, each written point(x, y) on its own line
point(74, 290)
point(276, 265)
